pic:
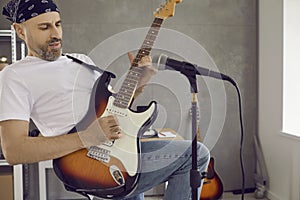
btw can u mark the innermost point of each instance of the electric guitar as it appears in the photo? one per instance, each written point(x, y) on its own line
point(112, 169)
point(212, 188)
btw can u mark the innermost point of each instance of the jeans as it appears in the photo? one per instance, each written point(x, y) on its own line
point(169, 161)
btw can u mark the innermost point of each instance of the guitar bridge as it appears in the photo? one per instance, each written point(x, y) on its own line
point(99, 154)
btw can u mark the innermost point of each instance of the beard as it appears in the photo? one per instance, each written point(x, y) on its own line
point(45, 53)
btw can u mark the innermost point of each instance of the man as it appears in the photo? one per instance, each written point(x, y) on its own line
point(42, 87)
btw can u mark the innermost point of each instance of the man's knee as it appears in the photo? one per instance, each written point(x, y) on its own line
point(203, 153)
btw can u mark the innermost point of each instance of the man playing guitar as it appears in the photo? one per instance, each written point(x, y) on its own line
point(41, 87)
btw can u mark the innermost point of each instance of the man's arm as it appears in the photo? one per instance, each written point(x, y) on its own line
point(18, 147)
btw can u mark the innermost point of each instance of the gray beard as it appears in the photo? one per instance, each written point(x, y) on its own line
point(51, 56)
point(48, 55)
point(43, 52)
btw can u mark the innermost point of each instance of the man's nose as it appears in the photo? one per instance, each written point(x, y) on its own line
point(56, 32)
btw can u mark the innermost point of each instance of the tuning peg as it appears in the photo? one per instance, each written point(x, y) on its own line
point(157, 11)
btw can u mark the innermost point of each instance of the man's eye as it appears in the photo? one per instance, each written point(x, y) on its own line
point(43, 27)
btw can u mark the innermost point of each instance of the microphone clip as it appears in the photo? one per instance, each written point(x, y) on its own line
point(190, 72)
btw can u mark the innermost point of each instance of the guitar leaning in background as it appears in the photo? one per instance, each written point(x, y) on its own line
point(212, 188)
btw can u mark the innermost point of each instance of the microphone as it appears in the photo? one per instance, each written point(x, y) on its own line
point(164, 62)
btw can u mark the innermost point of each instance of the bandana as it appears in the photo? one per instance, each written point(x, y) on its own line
point(21, 10)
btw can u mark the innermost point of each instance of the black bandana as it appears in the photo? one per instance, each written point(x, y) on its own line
point(21, 10)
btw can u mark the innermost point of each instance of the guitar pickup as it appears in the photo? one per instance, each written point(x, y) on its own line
point(116, 112)
point(99, 154)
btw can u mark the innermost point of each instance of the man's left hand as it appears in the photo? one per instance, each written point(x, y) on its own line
point(147, 72)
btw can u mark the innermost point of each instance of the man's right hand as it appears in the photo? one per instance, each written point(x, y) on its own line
point(101, 130)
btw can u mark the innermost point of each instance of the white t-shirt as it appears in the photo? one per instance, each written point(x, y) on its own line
point(55, 95)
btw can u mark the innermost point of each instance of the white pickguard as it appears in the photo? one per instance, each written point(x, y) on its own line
point(125, 148)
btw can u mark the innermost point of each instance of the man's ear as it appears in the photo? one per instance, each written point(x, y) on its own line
point(19, 30)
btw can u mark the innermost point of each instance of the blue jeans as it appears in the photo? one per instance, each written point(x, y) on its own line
point(169, 161)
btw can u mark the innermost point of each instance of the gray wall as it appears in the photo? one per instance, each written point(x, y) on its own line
point(227, 31)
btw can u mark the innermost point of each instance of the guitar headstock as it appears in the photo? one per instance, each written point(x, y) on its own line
point(166, 10)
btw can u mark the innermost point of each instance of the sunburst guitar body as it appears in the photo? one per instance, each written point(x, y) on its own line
point(111, 167)
point(212, 188)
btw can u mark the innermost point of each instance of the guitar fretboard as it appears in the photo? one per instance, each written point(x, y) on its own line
point(128, 87)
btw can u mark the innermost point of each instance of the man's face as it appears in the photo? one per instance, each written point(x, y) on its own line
point(43, 36)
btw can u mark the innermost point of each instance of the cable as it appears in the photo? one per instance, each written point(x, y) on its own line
point(241, 142)
point(242, 134)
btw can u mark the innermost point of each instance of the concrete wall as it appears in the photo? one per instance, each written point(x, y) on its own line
point(227, 32)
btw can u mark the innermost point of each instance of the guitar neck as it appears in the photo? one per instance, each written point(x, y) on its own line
point(128, 87)
point(148, 42)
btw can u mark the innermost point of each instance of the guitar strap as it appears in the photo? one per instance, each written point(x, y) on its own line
point(92, 67)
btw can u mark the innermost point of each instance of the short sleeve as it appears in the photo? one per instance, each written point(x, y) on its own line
point(15, 101)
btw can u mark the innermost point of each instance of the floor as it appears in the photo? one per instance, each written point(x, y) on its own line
point(226, 196)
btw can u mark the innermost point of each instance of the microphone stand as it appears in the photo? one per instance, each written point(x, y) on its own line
point(195, 175)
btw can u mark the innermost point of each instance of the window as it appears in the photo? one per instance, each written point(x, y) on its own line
point(291, 68)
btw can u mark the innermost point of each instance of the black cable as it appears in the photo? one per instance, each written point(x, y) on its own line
point(242, 133)
point(241, 142)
